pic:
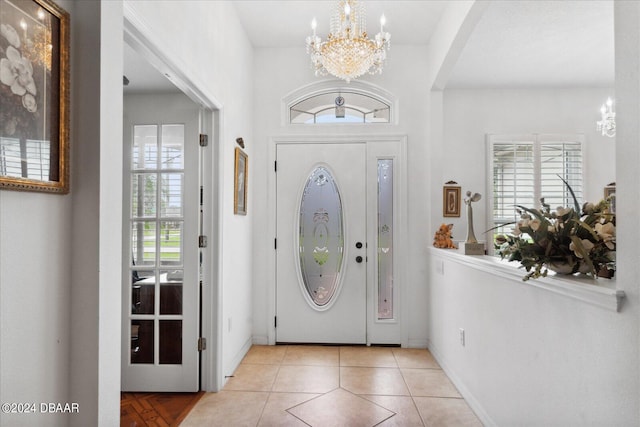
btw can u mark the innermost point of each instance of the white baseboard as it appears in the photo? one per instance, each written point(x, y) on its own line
point(237, 360)
point(260, 340)
point(471, 400)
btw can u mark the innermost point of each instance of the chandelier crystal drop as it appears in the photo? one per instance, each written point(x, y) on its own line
point(608, 123)
point(348, 53)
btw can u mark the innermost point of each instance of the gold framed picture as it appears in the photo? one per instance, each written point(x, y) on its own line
point(240, 182)
point(451, 201)
point(34, 96)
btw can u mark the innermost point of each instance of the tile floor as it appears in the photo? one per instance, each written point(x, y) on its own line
point(335, 386)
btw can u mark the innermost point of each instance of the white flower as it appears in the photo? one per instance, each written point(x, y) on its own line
point(562, 210)
point(17, 72)
point(10, 34)
point(29, 102)
point(587, 245)
point(607, 233)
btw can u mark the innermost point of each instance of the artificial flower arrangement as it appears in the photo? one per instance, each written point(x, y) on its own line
point(567, 240)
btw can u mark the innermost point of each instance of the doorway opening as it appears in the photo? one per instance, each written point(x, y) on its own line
point(183, 275)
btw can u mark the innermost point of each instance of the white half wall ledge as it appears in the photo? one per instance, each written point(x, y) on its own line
point(599, 292)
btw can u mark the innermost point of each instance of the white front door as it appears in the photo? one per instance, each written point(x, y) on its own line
point(321, 243)
point(160, 313)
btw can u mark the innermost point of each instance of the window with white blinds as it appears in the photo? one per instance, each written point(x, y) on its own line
point(525, 168)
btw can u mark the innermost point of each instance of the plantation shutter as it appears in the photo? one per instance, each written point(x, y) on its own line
point(528, 167)
point(560, 158)
point(513, 177)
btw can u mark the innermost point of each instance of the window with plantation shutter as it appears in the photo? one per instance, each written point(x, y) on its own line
point(525, 168)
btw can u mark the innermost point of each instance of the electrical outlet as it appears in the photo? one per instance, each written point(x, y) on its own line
point(462, 337)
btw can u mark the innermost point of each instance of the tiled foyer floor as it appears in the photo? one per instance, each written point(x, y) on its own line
point(335, 386)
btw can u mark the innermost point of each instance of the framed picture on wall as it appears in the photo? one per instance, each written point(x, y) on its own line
point(451, 201)
point(240, 182)
point(34, 96)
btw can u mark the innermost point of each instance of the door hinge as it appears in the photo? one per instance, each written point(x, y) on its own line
point(202, 241)
point(275, 321)
point(275, 166)
point(204, 140)
point(275, 243)
point(202, 344)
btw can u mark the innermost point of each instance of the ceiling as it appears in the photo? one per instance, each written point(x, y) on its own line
point(516, 43)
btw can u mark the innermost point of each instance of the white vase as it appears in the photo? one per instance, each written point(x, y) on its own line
point(567, 268)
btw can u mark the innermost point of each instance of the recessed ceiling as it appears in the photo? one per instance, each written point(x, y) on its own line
point(516, 43)
point(288, 23)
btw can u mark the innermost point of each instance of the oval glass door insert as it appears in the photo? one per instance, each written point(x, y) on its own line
point(321, 240)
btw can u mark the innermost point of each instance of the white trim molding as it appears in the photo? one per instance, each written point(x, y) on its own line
point(598, 292)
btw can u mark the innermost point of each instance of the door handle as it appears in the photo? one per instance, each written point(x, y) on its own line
point(358, 259)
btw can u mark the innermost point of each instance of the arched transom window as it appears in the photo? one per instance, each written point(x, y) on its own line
point(339, 105)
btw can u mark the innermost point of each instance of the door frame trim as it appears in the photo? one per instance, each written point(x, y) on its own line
point(138, 34)
point(401, 141)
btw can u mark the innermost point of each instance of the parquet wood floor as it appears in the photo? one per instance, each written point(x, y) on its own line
point(156, 409)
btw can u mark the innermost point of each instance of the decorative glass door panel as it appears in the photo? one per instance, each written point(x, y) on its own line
point(321, 240)
point(385, 239)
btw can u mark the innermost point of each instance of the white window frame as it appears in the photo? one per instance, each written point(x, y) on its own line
point(536, 140)
point(332, 86)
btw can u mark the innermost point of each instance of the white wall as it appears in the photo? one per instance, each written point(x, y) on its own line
point(96, 192)
point(471, 114)
point(35, 276)
point(206, 40)
point(35, 272)
point(532, 357)
point(281, 71)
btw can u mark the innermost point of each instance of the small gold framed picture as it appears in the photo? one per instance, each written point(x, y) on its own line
point(451, 201)
point(240, 182)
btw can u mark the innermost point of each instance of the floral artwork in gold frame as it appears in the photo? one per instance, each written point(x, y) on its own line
point(240, 182)
point(34, 96)
point(450, 201)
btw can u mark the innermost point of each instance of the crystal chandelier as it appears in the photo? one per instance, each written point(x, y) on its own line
point(608, 123)
point(348, 53)
point(38, 47)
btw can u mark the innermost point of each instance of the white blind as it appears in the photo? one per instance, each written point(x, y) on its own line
point(25, 160)
point(528, 167)
point(560, 158)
